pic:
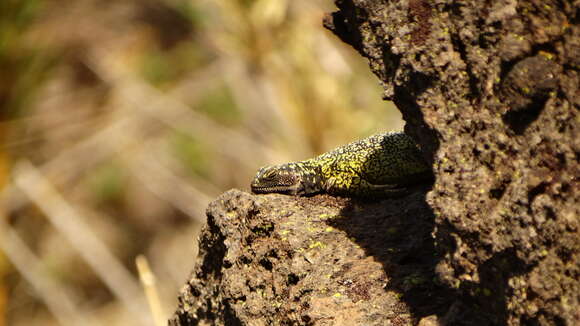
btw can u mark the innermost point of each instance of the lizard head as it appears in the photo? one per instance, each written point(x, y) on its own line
point(290, 179)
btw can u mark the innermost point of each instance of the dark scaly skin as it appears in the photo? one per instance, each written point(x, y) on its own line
point(381, 165)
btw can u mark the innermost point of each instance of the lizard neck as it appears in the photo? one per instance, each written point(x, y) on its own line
point(311, 175)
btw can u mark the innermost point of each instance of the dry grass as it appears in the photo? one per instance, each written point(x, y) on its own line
point(121, 120)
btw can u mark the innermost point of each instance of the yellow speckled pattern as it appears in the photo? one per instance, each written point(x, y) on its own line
point(382, 164)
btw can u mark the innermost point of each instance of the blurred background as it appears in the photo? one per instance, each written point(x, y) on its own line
point(121, 120)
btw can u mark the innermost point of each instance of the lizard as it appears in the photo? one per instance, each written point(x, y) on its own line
point(384, 164)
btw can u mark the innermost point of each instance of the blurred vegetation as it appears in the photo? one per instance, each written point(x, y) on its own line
point(23, 66)
point(121, 120)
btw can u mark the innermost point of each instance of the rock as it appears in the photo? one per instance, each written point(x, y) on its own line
point(490, 91)
point(283, 260)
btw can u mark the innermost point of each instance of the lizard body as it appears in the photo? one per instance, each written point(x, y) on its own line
point(384, 164)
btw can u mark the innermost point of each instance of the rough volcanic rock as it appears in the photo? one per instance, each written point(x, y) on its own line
point(282, 260)
point(491, 91)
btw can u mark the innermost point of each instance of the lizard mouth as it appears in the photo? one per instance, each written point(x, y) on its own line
point(281, 189)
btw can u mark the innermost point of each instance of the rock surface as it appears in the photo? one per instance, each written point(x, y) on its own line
point(490, 89)
point(283, 260)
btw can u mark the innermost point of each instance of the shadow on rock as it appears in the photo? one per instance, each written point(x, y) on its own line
point(398, 234)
